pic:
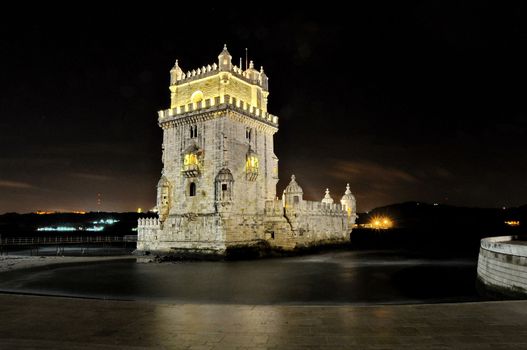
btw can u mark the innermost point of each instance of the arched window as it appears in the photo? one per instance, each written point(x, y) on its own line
point(223, 183)
point(196, 97)
point(192, 189)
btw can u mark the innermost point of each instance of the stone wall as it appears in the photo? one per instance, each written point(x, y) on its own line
point(182, 232)
point(502, 265)
point(287, 229)
point(306, 224)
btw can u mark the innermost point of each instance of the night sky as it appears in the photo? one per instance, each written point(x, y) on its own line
point(421, 102)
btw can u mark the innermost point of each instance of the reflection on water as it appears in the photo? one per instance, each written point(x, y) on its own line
point(342, 277)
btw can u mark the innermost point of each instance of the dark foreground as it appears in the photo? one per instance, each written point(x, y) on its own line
point(345, 277)
point(30, 322)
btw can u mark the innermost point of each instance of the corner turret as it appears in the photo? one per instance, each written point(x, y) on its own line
point(293, 193)
point(176, 74)
point(225, 60)
point(348, 201)
point(251, 73)
point(327, 198)
point(264, 80)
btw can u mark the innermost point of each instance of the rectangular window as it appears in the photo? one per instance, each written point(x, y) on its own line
point(248, 133)
point(193, 131)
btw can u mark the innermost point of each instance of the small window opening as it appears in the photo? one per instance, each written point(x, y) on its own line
point(193, 131)
point(192, 189)
point(248, 133)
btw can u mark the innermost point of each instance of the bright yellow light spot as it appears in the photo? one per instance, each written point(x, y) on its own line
point(190, 159)
point(513, 223)
point(139, 210)
point(196, 97)
point(252, 164)
point(380, 223)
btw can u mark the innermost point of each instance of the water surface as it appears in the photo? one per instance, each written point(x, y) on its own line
point(350, 277)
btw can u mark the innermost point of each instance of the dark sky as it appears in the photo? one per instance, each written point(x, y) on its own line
point(419, 102)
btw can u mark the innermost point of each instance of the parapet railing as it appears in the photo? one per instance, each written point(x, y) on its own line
point(148, 223)
point(13, 241)
point(306, 207)
point(505, 245)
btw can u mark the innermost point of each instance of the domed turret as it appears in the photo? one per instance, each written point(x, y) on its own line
point(327, 198)
point(225, 59)
point(348, 201)
point(176, 74)
point(293, 187)
point(293, 193)
point(251, 73)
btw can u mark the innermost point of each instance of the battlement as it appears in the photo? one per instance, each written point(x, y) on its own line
point(214, 104)
point(252, 77)
point(308, 208)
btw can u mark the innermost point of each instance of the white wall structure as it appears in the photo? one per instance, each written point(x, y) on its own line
point(502, 265)
point(218, 184)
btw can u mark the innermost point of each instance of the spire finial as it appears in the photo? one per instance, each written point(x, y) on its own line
point(293, 177)
point(225, 46)
point(246, 57)
point(327, 198)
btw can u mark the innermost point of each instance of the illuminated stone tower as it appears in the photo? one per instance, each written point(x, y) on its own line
point(218, 184)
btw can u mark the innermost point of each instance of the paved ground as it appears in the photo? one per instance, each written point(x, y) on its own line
point(31, 322)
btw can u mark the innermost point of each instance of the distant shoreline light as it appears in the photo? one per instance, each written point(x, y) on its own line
point(50, 212)
point(97, 227)
point(70, 229)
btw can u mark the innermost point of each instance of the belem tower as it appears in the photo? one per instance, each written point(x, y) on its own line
point(217, 191)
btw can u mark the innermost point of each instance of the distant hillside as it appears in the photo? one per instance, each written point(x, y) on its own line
point(418, 215)
point(441, 229)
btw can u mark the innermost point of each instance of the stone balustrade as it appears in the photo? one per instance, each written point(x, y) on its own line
point(148, 223)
